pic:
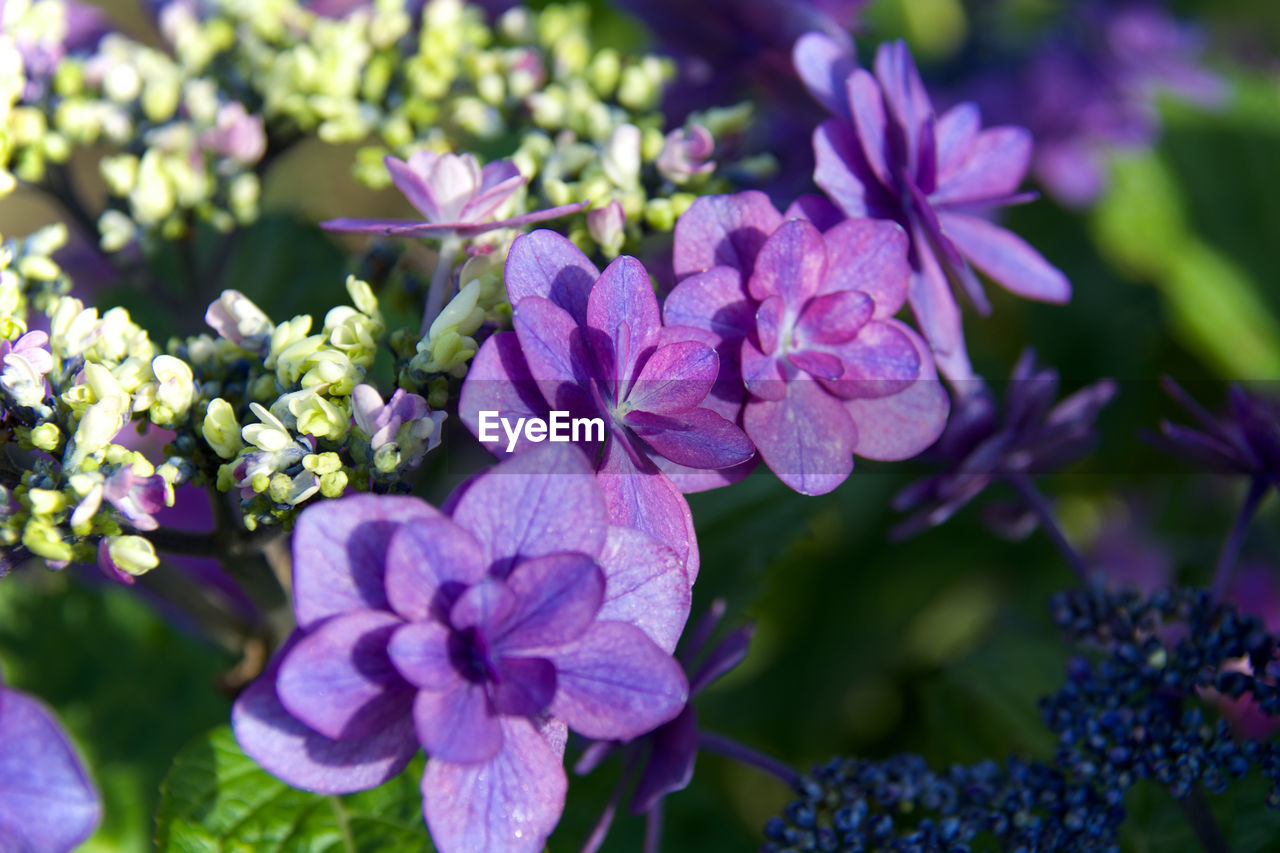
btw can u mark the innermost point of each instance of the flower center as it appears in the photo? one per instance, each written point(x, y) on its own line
point(469, 653)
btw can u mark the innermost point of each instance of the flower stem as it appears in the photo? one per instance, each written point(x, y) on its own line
point(439, 290)
point(1235, 540)
point(744, 754)
point(1027, 490)
point(1208, 833)
point(653, 829)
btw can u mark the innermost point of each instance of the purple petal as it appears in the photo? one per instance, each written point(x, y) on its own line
point(676, 378)
point(902, 425)
point(499, 381)
point(791, 264)
point(648, 502)
point(428, 565)
point(413, 186)
point(290, 751)
point(47, 800)
point(485, 606)
point(499, 180)
point(806, 438)
point(770, 317)
point(842, 170)
point(1008, 259)
point(671, 761)
point(725, 230)
point(421, 653)
point(458, 724)
point(692, 480)
point(470, 229)
point(824, 64)
point(993, 163)
point(762, 374)
point(817, 209)
point(714, 300)
point(374, 226)
point(955, 131)
point(904, 93)
point(870, 256)
point(340, 553)
point(556, 597)
point(938, 315)
point(882, 360)
point(728, 653)
point(525, 686)
point(555, 350)
point(542, 263)
point(835, 317)
point(645, 586)
point(540, 502)
point(615, 683)
point(820, 365)
point(339, 681)
point(623, 299)
point(869, 122)
point(507, 805)
point(697, 438)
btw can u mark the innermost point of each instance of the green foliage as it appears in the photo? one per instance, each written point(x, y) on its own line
point(215, 798)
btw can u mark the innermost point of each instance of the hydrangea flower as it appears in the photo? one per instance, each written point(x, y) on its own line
point(479, 633)
point(48, 803)
point(454, 195)
point(1244, 440)
point(804, 320)
point(887, 155)
point(23, 365)
point(403, 427)
point(593, 344)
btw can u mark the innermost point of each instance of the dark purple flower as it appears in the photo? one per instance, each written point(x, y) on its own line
point(1244, 440)
point(887, 155)
point(804, 324)
point(479, 635)
point(48, 803)
point(1033, 433)
point(592, 344)
point(454, 195)
point(1091, 86)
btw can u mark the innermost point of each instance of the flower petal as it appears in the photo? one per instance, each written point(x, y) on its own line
point(509, 804)
point(791, 264)
point(819, 365)
point(762, 374)
point(650, 502)
point(525, 686)
point(937, 313)
point(542, 263)
point(871, 256)
point(675, 378)
point(556, 350)
point(615, 683)
point(458, 724)
point(670, 765)
point(714, 300)
point(645, 586)
point(879, 362)
point(486, 606)
point(904, 424)
point(290, 751)
point(499, 381)
point(556, 597)
point(842, 171)
point(338, 680)
point(422, 653)
point(47, 800)
point(834, 318)
point(817, 209)
point(536, 503)
point(413, 187)
point(428, 565)
point(824, 64)
point(806, 438)
point(870, 123)
point(340, 553)
point(1007, 258)
point(993, 163)
point(904, 95)
point(955, 131)
point(725, 230)
point(697, 438)
point(622, 299)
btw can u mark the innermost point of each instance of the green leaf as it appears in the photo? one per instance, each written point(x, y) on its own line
point(215, 798)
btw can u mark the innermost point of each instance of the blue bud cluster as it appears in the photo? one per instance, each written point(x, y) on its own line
point(1135, 712)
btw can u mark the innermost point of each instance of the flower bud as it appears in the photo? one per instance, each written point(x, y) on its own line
point(176, 389)
point(132, 555)
point(221, 429)
point(607, 227)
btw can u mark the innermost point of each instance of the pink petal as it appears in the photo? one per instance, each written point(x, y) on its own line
point(880, 361)
point(676, 378)
point(834, 317)
point(820, 365)
point(697, 438)
point(414, 187)
point(871, 256)
point(937, 314)
point(792, 264)
point(841, 169)
point(645, 586)
point(714, 300)
point(870, 123)
point(762, 374)
point(904, 424)
point(955, 131)
point(806, 438)
point(992, 164)
point(726, 230)
point(509, 804)
point(555, 349)
point(649, 502)
point(556, 598)
point(623, 296)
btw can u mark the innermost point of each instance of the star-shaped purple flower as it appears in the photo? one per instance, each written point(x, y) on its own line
point(479, 634)
point(48, 803)
point(592, 344)
point(888, 156)
point(803, 320)
point(454, 195)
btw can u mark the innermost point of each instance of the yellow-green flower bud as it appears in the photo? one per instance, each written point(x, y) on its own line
point(132, 555)
point(44, 540)
point(46, 437)
point(221, 429)
point(176, 389)
point(333, 484)
point(46, 501)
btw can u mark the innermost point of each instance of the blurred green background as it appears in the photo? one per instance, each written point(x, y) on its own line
point(940, 645)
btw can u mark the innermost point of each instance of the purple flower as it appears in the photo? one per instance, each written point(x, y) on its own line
point(686, 153)
point(23, 365)
point(804, 320)
point(48, 803)
point(1034, 433)
point(137, 498)
point(888, 156)
point(479, 634)
point(236, 134)
point(85, 25)
point(405, 421)
point(1245, 440)
point(592, 344)
point(454, 196)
